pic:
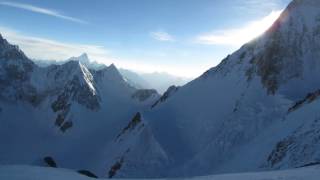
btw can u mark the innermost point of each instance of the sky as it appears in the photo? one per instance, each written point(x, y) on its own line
point(180, 37)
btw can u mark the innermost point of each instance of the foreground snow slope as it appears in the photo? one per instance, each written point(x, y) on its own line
point(35, 173)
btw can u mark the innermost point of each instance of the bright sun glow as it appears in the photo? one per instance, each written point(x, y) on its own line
point(239, 36)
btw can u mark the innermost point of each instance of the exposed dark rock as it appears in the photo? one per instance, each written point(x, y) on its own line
point(87, 173)
point(61, 104)
point(50, 161)
point(67, 125)
point(115, 168)
point(309, 164)
point(308, 99)
point(132, 124)
point(279, 151)
point(59, 120)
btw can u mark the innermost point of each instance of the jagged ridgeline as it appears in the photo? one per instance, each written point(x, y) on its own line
point(65, 114)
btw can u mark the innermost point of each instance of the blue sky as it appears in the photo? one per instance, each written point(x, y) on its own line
point(181, 37)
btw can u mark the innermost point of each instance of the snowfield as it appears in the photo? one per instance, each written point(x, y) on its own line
point(43, 173)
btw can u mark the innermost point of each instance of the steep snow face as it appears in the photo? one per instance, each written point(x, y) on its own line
point(206, 122)
point(287, 55)
point(135, 152)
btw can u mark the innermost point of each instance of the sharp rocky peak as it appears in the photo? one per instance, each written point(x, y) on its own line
point(287, 50)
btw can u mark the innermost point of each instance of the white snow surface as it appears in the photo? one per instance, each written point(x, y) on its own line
point(39, 173)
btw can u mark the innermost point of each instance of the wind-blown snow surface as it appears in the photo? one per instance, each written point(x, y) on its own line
point(32, 173)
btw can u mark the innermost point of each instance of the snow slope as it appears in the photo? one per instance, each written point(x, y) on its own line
point(32, 173)
point(236, 110)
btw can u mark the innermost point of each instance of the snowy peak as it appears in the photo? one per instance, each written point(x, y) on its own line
point(114, 70)
point(288, 50)
point(109, 73)
point(83, 58)
point(77, 83)
point(138, 152)
point(11, 52)
point(170, 91)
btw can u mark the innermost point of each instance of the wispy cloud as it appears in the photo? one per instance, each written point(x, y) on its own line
point(162, 36)
point(256, 7)
point(41, 10)
point(241, 35)
point(47, 49)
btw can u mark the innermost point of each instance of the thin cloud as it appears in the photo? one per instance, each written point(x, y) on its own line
point(41, 10)
point(241, 35)
point(162, 36)
point(47, 49)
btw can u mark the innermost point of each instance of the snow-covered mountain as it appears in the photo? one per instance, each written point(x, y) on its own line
point(235, 116)
point(257, 110)
point(83, 58)
point(66, 113)
point(135, 79)
point(160, 81)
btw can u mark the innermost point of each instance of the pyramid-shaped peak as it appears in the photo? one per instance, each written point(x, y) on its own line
point(113, 66)
point(3, 41)
point(84, 56)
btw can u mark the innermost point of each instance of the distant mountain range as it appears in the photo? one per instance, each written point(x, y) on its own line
point(160, 81)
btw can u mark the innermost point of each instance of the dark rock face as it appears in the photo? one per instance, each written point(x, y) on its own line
point(144, 94)
point(279, 152)
point(67, 125)
point(76, 92)
point(15, 72)
point(115, 168)
point(308, 99)
point(298, 149)
point(50, 161)
point(73, 91)
point(87, 173)
point(285, 46)
point(132, 124)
